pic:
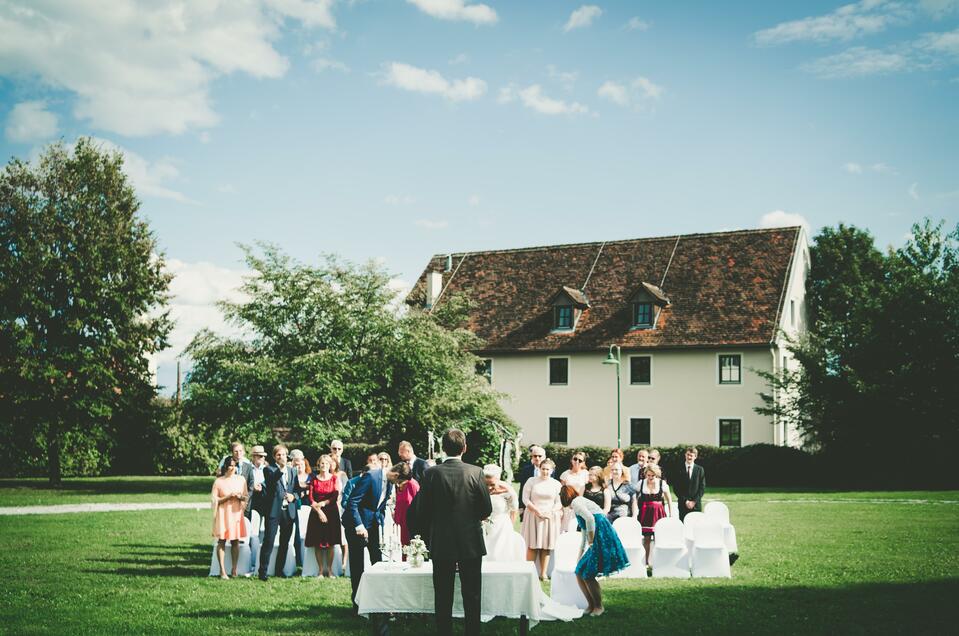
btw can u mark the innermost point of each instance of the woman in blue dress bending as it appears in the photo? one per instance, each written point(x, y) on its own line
point(601, 552)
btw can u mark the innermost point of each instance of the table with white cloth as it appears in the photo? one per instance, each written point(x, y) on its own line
point(510, 589)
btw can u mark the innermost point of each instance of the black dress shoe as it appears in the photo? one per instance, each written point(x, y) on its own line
point(264, 577)
point(733, 558)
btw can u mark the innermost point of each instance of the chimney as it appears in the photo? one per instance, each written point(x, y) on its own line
point(434, 284)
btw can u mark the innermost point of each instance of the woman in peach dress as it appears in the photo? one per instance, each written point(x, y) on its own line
point(229, 501)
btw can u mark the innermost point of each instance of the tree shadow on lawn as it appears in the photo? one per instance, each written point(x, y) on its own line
point(118, 485)
point(158, 560)
point(323, 619)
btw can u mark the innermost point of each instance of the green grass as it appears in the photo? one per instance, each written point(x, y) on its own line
point(37, 492)
point(851, 567)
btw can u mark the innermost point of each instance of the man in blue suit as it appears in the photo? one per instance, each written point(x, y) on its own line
point(362, 520)
point(279, 483)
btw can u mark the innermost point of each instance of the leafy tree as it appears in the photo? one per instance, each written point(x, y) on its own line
point(81, 287)
point(326, 355)
point(881, 359)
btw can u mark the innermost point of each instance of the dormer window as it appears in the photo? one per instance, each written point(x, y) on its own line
point(642, 314)
point(563, 317)
point(568, 305)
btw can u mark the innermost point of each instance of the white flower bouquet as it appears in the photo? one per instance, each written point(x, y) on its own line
point(416, 551)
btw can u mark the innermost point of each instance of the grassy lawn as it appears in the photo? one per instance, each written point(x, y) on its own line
point(36, 492)
point(869, 563)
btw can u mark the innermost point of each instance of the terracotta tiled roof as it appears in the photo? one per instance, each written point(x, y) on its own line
point(724, 289)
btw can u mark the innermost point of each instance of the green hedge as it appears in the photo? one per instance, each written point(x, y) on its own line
point(755, 465)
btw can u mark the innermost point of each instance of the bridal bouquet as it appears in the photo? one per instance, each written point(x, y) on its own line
point(416, 551)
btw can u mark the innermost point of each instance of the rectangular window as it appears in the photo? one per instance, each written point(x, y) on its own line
point(563, 317)
point(558, 430)
point(639, 430)
point(640, 370)
point(559, 371)
point(485, 368)
point(730, 369)
point(642, 314)
point(730, 433)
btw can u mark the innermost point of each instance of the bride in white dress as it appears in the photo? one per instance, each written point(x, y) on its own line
point(503, 543)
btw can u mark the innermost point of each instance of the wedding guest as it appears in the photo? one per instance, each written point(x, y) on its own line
point(536, 455)
point(690, 484)
point(654, 503)
point(596, 490)
point(601, 551)
point(576, 476)
point(615, 457)
point(543, 513)
point(244, 468)
point(501, 539)
point(301, 488)
point(342, 463)
point(636, 471)
point(418, 465)
point(323, 530)
point(372, 462)
point(406, 488)
point(452, 502)
point(386, 462)
point(257, 501)
point(229, 495)
point(363, 519)
point(622, 497)
point(280, 511)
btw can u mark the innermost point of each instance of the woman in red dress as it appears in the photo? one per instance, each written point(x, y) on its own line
point(406, 488)
point(323, 528)
point(653, 502)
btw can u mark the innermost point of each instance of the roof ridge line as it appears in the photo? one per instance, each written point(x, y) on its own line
point(536, 248)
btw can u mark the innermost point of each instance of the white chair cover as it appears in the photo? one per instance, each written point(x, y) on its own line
point(289, 567)
point(630, 533)
point(245, 558)
point(718, 511)
point(669, 556)
point(689, 523)
point(563, 586)
point(710, 557)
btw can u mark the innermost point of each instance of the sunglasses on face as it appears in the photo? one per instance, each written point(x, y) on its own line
point(535, 455)
point(577, 459)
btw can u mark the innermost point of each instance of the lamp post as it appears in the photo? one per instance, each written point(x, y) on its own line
point(615, 360)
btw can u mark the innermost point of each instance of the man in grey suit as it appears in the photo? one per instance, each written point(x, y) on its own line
point(279, 483)
point(452, 502)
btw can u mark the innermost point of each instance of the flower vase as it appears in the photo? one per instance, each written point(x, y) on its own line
point(416, 560)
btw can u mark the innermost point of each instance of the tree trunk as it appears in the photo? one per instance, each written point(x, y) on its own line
point(53, 454)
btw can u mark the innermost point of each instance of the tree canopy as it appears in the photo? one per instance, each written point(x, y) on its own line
point(83, 290)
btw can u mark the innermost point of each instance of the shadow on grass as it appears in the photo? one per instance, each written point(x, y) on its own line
point(118, 485)
point(135, 559)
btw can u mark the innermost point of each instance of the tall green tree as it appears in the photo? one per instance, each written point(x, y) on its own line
point(326, 354)
point(880, 362)
point(82, 290)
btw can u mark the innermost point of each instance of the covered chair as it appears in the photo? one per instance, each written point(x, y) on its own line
point(630, 533)
point(710, 557)
point(245, 559)
point(669, 556)
point(563, 586)
point(718, 511)
point(310, 568)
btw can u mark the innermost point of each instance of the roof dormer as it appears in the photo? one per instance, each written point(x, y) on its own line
point(646, 303)
point(568, 305)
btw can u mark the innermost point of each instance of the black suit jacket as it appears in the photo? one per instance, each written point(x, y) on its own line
point(693, 488)
point(276, 493)
point(452, 501)
point(347, 467)
point(418, 469)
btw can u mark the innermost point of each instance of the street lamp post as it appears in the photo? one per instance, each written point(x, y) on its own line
point(615, 360)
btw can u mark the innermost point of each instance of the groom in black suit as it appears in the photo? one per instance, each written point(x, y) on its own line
point(452, 502)
point(690, 485)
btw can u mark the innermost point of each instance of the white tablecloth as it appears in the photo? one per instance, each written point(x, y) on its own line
point(510, 589)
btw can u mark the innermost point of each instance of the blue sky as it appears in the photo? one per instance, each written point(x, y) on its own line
point(395, 129)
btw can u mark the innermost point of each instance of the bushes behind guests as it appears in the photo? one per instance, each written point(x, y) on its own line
point(754, 465)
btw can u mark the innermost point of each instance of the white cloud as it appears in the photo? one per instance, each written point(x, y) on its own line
point(533, 98)
point(914, 191)
point(852, 168)
point(939, 9)
point(194, 292)
point(780, 218)
point(204, 137)
point(321, 64)
point(431, 225)
point(396, 199)
point(138, 67)
point(882, 168)
point(149, 178)
point(457, 10)
point(462, 58)
point(582, 17)
point(635, 93)
point(946, 43)
point(30, 121)
point(474, 200)
point(858, 61)
point(636, 24)
point(566, 78)
point(411, 78)
point(845, 23)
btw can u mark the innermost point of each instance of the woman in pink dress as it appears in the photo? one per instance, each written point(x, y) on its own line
point(541, 520)
point(406, 488)
point(229, 496)
point(323, 528)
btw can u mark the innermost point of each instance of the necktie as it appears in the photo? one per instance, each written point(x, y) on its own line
point(690, 470)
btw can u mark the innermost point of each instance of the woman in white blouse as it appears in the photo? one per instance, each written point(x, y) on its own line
point(542, 518)
point(576, 476)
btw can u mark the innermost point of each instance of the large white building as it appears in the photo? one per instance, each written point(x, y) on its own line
point(695, 317)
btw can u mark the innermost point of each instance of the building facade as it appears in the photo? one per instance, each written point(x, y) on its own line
point(692, 320)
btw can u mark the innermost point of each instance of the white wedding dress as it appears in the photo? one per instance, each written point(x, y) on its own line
point(503, 543)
